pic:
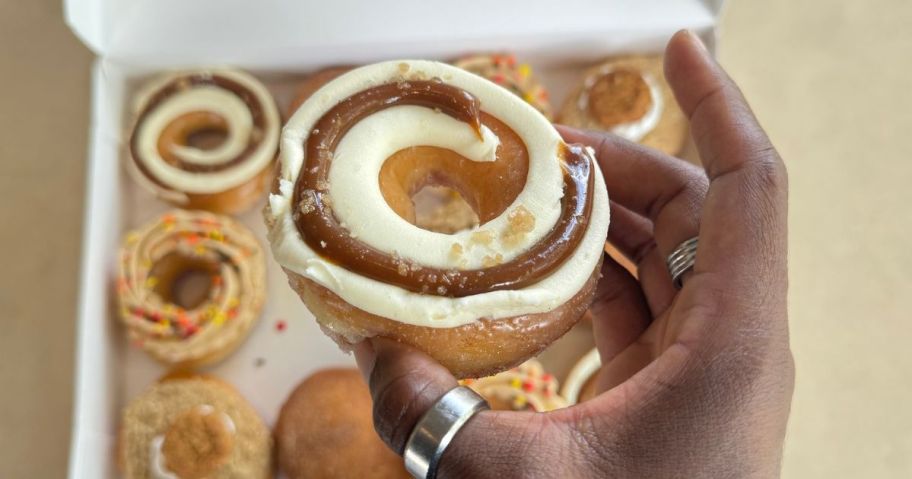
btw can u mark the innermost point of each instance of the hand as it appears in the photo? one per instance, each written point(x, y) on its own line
point(696, 382)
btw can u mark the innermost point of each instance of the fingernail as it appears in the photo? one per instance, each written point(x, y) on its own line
point(365, 356)
point(696, 40)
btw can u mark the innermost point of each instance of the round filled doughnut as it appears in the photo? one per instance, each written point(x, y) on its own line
point(326, 429)
point(205, 139)
point(629, 97)
point(190, 286)
point(504, 70)
point(526, 387)
point(193, 427)
point(480, 300)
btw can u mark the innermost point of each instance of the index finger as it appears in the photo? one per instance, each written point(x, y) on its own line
point(743, 229)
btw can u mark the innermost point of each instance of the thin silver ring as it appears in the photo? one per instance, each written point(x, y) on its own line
point(436, 429)
point(681, 260)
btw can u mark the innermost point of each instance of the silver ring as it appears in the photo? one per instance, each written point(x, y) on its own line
point(436, 429)
point(682, 260)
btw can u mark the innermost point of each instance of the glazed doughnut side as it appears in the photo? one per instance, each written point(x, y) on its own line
point(473, 350)
point(542, 195)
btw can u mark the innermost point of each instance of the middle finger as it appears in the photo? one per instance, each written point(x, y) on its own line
point(664, 189)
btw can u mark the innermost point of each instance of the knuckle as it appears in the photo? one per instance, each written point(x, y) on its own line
point(766, 169)
point(398, 404)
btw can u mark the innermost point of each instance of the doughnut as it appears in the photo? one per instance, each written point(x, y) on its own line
point(580, 383)
point(526, 387)
point(190, 286)
point(205, 139)
point(313, 83)
point(193, 427)
point(504, 70)
point(326, 429)
point(629, 97)
point(480, 300)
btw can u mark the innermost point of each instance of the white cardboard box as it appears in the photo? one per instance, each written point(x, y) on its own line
point(280, 40)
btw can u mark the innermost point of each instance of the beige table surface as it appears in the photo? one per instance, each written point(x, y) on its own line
point(829, 79)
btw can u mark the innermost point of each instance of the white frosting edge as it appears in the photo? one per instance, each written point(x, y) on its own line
point(157, 468)
point(397, 303)
point(581, 372)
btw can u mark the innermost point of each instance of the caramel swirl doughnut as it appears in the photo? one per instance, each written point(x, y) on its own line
point(190, 287)
point(205, 139)
point(340, 223)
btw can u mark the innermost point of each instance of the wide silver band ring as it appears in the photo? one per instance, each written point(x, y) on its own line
point(436, 429)
point(682, 260)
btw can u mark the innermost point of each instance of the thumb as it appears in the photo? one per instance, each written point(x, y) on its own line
point(405, 383)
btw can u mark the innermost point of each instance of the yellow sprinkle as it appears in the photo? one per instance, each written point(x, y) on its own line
point(219, 318)
point(524, 70)
point(165, 325)
point(519, 402)
point(199, 249)
point(146, 263)
point(516, 383)
point(151, 282)
point(168, 226)
point(217, 235)
point(233, 303)
point(132, 238)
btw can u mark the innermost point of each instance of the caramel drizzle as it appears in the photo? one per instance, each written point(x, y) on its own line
point(189, 82)
point(320, 230)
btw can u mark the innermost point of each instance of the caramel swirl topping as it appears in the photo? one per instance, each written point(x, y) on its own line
point(321, 231)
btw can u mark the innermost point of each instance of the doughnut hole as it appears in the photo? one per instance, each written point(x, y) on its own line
point(620, 96)
point(202, 130)
point(443, 209)
point(434, 188)
point(184, 281)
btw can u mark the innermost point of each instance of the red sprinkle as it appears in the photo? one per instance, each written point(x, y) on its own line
point(528, 386)
point(281, 325)
point(547, 377)
point(191, 330)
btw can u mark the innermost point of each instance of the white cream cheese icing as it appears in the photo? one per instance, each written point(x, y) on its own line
point(353, 183)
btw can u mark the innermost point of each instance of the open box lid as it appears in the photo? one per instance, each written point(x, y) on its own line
point(299, 34)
